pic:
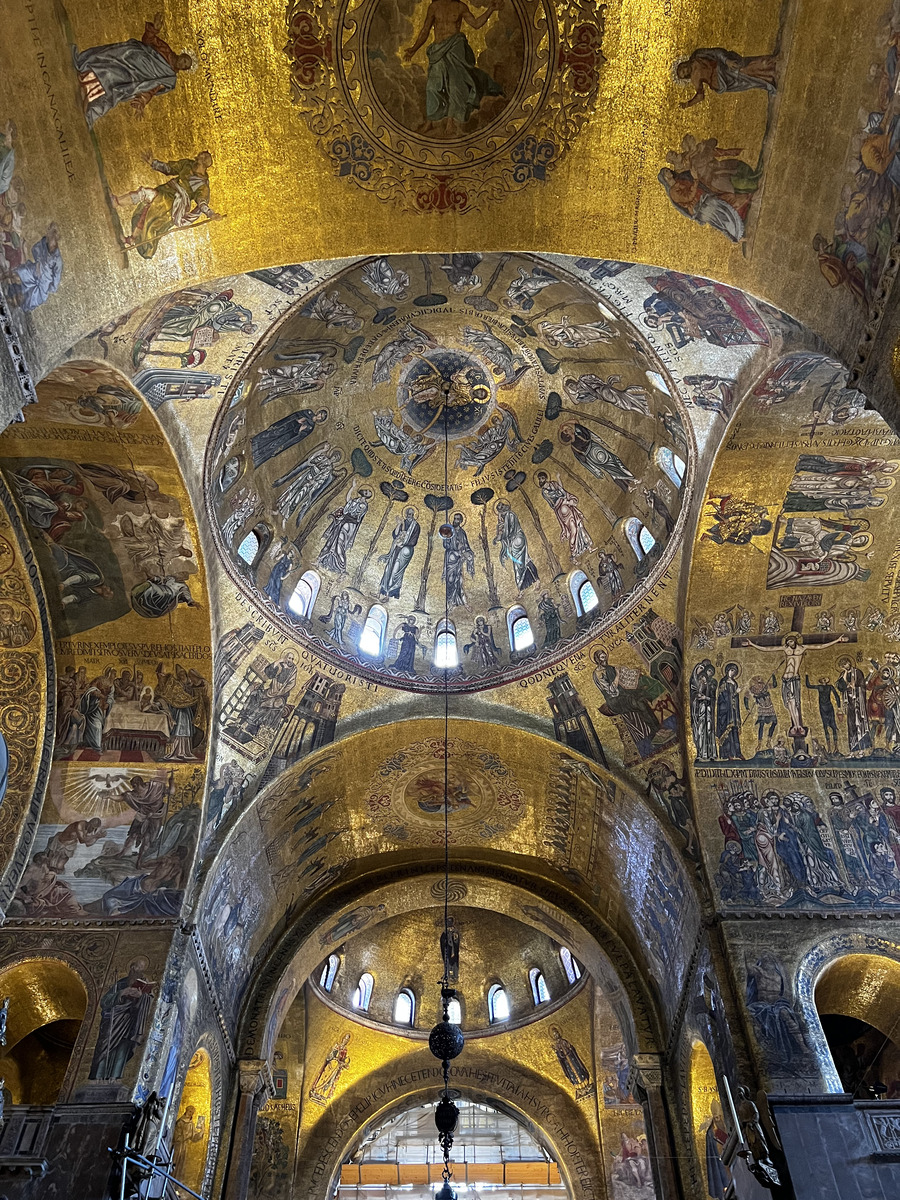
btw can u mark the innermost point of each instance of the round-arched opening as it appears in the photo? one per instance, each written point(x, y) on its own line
point(387, 977)
point(491, 1150)
point(190, 1133)
point(708, 1122)
point(858, 1002)
point(47, 1003)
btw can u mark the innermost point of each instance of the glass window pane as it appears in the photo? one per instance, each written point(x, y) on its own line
point(587, 596)
point(249, 548)
point(446, 654)
point(363, 993)
point(454, 1012)
point(570, 966)
point(301, 599)
point(403, 1008)
point(522, 634)
point(498, 1003)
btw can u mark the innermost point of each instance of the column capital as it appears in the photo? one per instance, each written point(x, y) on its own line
point(646, 1072)
point(255, 1077)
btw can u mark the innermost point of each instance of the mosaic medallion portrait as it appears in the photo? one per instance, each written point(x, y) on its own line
point(439, 105)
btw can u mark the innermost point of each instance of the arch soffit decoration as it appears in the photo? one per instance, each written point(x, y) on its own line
point(570, 1142)
point(812, 966)
point(58, 960)
point(30, 761)
point(89, 410)
point(305, 943)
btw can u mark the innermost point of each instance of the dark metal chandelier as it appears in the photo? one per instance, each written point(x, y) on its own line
point(446, 1039)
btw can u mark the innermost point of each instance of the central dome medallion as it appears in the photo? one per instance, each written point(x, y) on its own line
point(508, 445)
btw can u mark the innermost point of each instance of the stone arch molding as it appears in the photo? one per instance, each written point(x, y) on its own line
point(113, 536)
point(276, 988)
point(541, 1105)
point(555, 825)
point(812, 967)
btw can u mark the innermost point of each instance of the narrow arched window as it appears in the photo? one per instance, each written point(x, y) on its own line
point(498, 1003)
point(539, 989)
point(639, 537)
point(363, 993)
point(587, 597)
point(303, 597)
point(405, 1008)
point(577, 580)
point(371, 640)
point(646, 539)
point(569, 965)
point(249, 548)
point(329, 972)
point(454, 1012)
point(668, 461)
point(446, 652)
point(658, 382)
point(521, 635)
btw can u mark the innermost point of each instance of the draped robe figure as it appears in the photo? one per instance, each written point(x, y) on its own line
point(397, 559)
point(124, 1014)
point(341, 533)
point(457, 552)
point(455, 86)
point(568, 514)
point(596, 457)
point(569, 1059)
point(176, 204)
point(127, 71)
point(514, 546)
point(703, 703)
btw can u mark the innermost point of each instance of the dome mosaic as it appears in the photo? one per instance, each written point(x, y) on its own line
point(448, 470)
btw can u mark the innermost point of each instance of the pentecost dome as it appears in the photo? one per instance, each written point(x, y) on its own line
point(441, 488)
point(449, 600)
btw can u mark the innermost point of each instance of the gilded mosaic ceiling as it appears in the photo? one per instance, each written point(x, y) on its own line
point(430, 449)
point(666, 133)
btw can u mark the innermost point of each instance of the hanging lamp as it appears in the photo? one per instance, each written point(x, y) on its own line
point(446, 1039)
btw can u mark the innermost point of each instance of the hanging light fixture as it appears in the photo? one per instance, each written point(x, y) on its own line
point(446, 1039)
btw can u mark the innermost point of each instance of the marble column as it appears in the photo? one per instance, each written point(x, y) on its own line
point(645, 1081)
point(255, 1088)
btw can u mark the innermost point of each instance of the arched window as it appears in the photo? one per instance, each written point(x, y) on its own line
point(454, 1012)
point(405, 1008)
point(363, 993)
point(521, 636)
point(539, 989)
point(583, 592)
point(303, 597)
point(670, 462)
point(446, 652)
point(658, 382)
point(329, 972)
point(249, 548)
point(371, 640)
point(639, 537)
point(569, 965)
point(498, 1003)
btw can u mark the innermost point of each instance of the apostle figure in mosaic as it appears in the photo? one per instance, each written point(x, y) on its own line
point(128, 72)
